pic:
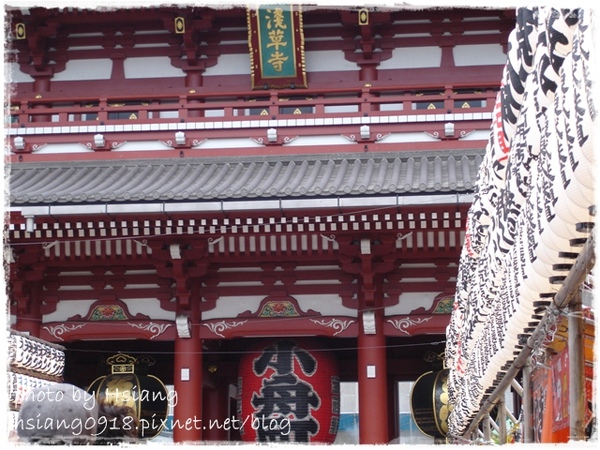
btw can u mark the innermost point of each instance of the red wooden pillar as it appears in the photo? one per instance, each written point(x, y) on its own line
point(29, 318)
point(368, 72)
point(393, 410)
point(372, 380)
point(187, 414)
point(41, 85)
point(193, 80)
point(28, 323)
point(216, 408)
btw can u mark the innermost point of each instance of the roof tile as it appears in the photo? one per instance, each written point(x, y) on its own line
point(173, 180)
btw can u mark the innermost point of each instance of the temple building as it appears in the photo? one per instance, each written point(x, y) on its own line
point(263, 209)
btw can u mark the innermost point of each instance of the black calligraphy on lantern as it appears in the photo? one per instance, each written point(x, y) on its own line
point(283, 396)
point(276, 24)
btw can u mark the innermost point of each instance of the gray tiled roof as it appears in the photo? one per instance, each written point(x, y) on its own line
point(253, 178)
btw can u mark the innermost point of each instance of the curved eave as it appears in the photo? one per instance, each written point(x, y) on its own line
point(330, 180)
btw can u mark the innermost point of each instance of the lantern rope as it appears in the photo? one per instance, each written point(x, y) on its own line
point(242, 352)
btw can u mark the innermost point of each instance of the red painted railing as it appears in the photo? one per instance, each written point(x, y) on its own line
point(217, 107)
point(106, 124)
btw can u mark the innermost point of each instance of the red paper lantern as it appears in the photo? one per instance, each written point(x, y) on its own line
point(289, 391)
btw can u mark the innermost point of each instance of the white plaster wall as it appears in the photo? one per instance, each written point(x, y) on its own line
point(150, 67)
point(413, 58)
point(318, 140)
point(142, 146)
point(85, 69)
point(327, 61)
point(228, 143)
point(62, 148)
point(14, 74)
point(479, 55)
point(326, 304)
point(408, 137)
point(230, 65)
point(66, 309)
point(478, 135)
point(411, 301)
point(227, 307)
point(149, 307)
